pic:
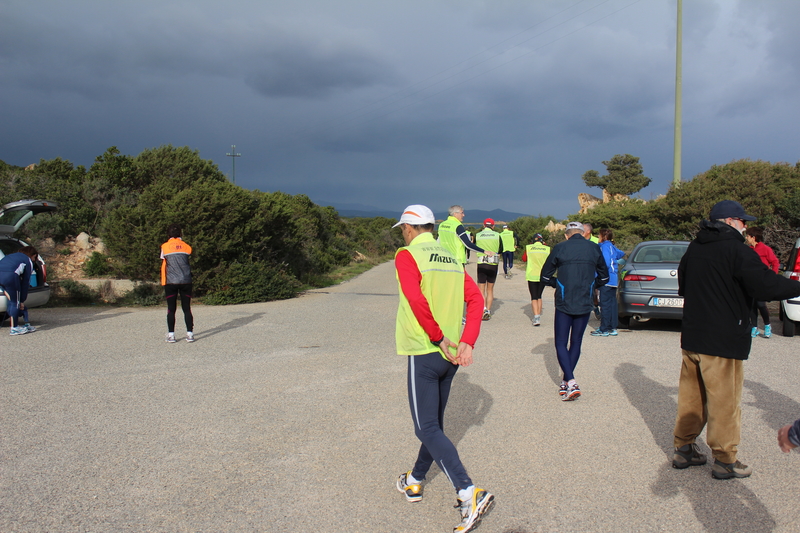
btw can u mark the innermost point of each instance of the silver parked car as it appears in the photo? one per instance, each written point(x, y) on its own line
point(12, 217)
point(790, 309)
point(648, 286)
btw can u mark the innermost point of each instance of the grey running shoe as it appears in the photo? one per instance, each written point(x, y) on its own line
point(413, 491)
point(721, 470)
point(537, 320)
point(472, 510)
point(30, 328)
point(18, 330)
point(686, 456)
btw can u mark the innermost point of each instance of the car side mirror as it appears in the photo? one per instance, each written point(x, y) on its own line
point(621, 262)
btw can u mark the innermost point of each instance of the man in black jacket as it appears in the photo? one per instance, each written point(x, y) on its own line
point(574, 267)
point(720, 279)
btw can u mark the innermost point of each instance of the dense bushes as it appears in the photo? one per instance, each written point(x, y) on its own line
point(247, 245)
point(766, 190)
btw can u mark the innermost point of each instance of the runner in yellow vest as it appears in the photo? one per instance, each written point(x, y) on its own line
point(489, 240)
point(433, 287)
point(509, 245)
point(454, 237)
point(535, 255)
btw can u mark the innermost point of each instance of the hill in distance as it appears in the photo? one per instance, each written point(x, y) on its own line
point(474, 216)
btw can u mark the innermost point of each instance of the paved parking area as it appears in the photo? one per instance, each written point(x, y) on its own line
point(292, 417)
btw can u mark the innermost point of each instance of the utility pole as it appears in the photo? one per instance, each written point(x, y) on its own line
point(676, 163)
point(234, 155)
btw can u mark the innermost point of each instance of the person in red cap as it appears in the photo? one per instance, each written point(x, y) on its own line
point(489, 240)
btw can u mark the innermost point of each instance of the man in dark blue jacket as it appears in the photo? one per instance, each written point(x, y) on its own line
point(15, 278)
point(721, 279)
point(575, 267)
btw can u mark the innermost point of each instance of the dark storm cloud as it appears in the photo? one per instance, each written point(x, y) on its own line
point(378, 103)
point(305, 72)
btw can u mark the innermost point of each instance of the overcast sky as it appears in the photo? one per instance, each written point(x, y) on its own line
point(489, 104)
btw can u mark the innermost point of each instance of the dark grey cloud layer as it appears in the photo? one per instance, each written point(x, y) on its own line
point(488, 104)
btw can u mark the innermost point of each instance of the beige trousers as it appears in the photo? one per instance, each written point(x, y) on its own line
point(710, 391)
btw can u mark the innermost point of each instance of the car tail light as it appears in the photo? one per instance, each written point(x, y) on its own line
point(795, 276)
point(638, 277)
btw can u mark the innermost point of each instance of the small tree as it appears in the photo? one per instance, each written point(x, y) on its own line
point(625, 176)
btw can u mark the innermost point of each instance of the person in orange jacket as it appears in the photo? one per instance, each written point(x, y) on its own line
point(176, 277)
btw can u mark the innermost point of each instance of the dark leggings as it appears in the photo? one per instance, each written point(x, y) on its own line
point(569, 328)
point(761, 307)
point(429, 380)
point(172, 292)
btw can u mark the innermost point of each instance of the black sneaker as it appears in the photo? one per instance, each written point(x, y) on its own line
point(686, 456)
point(722, 470)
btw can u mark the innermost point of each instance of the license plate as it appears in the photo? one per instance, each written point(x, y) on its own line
point(667, 302)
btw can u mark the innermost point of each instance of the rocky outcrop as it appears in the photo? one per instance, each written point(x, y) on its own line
point(587, 201)
point(554, 227)
point(65, 260)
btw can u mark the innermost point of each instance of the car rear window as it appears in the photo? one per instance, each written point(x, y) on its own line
point(8, 247)
point(660, 253)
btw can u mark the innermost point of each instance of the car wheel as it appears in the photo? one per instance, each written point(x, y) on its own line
point(624, 322)
point(788, 324)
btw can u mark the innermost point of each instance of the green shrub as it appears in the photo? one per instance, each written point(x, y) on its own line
point(145, 294)
point(97, 265)
point(238, 283)
point(74, 293)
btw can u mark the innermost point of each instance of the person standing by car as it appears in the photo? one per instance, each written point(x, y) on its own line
point(176, 277)
point(15, 279)
point(754, 237)
point(608, 292)
point(719, 278)
point(433, 289)
point(535, 255)
point(574, 267)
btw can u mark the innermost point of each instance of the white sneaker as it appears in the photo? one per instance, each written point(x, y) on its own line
point(171, 337)
point(537, 320)
point(473, 510)
point(189, 336)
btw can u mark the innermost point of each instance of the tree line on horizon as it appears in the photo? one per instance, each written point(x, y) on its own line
point(255, 246)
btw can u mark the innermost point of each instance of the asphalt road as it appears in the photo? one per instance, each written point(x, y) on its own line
point(292, 417)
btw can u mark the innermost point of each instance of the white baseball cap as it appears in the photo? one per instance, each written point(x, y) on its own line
point(416, 215)
point(575, 225)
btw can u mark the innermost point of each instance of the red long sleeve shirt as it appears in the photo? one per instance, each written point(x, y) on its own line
point(410, 279)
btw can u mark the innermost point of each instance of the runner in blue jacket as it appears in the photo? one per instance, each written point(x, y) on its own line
point(574, 267)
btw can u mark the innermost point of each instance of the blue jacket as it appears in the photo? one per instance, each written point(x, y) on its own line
point(575, 267)
point(611, 253)
point(15, 267)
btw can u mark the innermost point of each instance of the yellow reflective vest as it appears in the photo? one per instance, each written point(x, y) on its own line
point(442, 285)
point(537, 254)
point(509, 245)
point(450, 241)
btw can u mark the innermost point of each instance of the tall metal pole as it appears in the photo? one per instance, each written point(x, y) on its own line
point(676, 163)
point(234, 155)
